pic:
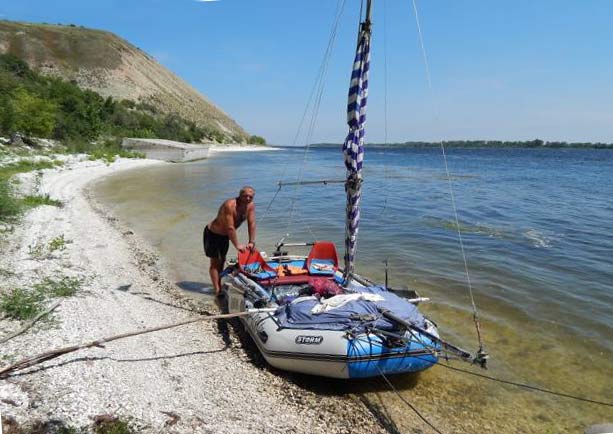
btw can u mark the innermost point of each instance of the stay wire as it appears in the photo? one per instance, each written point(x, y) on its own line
point(450, 184)
point(297, 135)
point(491, 378)
point(322, 83)
point(270, 203)
point(385, 77)
point(528, 386)
point(319, 88)
point(515, 383)
point(295, 140)
point(411, 406)
point(361, 14)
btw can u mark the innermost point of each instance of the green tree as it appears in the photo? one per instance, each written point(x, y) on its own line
point(7, 115)
point(80, 113)
point(34, 116)
point(257, 140)
point(37, 105)
point(14, 65)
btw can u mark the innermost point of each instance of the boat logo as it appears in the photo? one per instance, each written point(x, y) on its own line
point(309, 340)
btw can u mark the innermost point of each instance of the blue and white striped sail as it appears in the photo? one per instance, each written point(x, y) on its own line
point(353, 148)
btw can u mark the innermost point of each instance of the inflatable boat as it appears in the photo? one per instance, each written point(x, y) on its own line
point(303, 318)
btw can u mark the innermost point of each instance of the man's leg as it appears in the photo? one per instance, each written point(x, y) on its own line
point(215, 269)
point(214, 273)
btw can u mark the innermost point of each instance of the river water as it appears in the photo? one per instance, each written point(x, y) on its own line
point(537, 227)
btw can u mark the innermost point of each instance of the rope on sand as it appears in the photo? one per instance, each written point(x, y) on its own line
point(52, 354)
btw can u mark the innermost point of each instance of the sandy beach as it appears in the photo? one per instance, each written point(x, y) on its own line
point(195, 378)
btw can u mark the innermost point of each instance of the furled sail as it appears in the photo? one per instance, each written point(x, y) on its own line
point(353, 148)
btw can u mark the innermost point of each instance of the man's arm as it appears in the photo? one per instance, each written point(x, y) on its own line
point(251, 224)
point(230, 229)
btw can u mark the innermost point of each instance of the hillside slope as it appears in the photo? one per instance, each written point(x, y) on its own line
point(107, 64)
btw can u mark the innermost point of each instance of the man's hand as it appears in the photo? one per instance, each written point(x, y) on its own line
point(241, 248)
point(251, 245)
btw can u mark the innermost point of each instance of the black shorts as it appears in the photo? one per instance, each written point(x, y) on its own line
point(215, 245)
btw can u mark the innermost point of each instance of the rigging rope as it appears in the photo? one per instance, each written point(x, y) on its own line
point(512, 383)
point(385, 75)
point(318, 93)
point(296, 136)
point(340, 7)
point(487, 377)
point(481, 355)
point(528, 386)
point(411, 406)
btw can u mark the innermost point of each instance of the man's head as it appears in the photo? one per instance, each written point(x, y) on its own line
point(247, 194)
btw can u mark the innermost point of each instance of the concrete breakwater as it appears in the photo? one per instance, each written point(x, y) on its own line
point(167, 150)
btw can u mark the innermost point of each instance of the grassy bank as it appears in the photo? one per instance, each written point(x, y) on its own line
point(11, 205)
point(26, 303)
point(26, 159)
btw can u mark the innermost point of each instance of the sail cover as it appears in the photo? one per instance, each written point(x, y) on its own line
point(353, 148)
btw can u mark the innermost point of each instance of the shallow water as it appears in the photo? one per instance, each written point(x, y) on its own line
point(537, 227)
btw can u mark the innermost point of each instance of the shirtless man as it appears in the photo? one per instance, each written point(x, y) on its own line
point(222, 230)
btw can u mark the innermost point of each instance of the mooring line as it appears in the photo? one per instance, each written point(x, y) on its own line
point(515, 383)
point(6, 371)
point(411, 406)
point(528, 386)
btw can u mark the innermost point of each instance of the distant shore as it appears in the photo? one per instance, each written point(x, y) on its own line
point(242, 148)
point(482, 144)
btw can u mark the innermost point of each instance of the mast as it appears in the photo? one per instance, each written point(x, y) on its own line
point(353, 148)
point(368, 13)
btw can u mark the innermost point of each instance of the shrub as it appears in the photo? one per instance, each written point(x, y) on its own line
point(58, 243)
point(38, 200)
point(63, 286)
point(33, 116)
point(9, 205)
point(50, 107)
point(257, 140)
point(14, 65)
point(114, 427)
point(21, 304)
point(110, 150)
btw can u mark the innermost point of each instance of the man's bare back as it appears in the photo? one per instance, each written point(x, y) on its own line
point(229, 207)
point(232, 213)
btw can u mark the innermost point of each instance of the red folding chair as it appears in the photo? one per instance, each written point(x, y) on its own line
point(254, 265)
point(322, 259)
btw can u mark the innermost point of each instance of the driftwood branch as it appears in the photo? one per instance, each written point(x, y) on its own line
point(31, 323)
point(52, 354)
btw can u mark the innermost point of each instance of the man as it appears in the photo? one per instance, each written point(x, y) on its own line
point(222, 230)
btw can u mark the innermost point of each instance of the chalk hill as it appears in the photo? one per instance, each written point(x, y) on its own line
point(107, 64)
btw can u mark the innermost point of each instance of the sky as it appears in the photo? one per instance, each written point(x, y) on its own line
point(500, 70)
